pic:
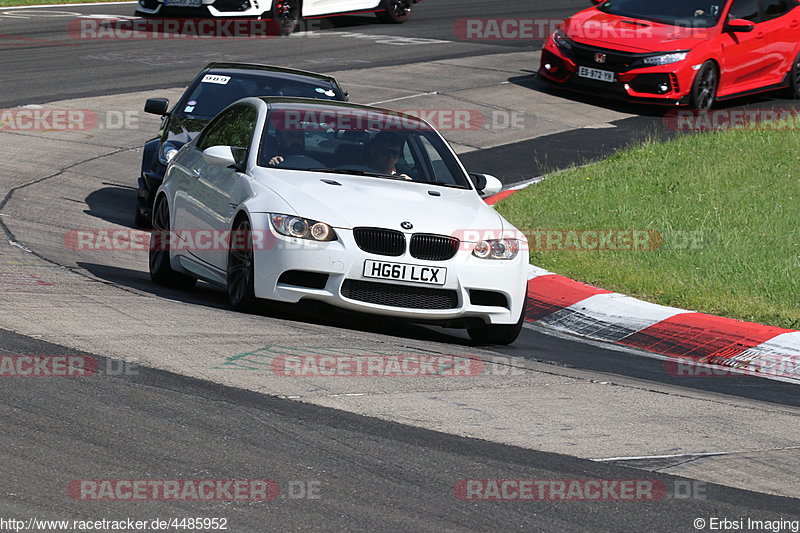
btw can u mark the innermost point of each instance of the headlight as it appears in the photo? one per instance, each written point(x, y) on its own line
point(665, 59)
point(562, 41)
point(497, 249)
point(167, 152)
point(302, 228)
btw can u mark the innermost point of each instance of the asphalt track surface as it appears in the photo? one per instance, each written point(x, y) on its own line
point(368, 475)
point(373, 474)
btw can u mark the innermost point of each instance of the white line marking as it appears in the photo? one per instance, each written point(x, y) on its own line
point(403, 98)
point(698, 454)
point(20, 246)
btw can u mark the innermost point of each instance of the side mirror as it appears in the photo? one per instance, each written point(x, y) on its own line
point(740, 26)
point(156, 106)
point(486, 184)
point(219, 156)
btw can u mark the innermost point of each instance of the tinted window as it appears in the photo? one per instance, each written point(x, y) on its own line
point(357, 141)
point(775, 8)
point(217, 92)
point(692, 13)
point(234, 128)
point(744, 9)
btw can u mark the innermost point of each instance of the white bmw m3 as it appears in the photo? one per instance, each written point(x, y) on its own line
point(287, 199)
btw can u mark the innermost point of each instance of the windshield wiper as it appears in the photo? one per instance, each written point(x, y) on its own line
point(354, 172)
point(442, 184)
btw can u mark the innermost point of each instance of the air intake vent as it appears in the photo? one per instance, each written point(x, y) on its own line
point(380, 241)
point(404, 296)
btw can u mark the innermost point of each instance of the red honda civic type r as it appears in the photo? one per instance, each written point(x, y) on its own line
point(677, 52)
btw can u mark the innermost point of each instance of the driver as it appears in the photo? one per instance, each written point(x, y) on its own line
point(290, 142)
point(384, 151)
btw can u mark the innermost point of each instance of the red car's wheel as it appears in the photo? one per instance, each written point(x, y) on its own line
point(794, 79)
point(704, 88)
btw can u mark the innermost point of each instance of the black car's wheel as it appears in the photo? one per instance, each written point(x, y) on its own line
point(160, 269)
point(794, 79)
point(704, 88)
point(241, 271)
point(394, 11)
point(286, 15)
point(498, 333)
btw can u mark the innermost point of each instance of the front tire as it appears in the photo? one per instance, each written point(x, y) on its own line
point(704, 88)
point(141, 220)
point(394, 11)
point(793, 91)
point(498, 333)
point(241, 268)
point(161, 271)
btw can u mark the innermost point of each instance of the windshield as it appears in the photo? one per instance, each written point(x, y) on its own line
point(360, 142)
point(213, 93)
point(689, 13)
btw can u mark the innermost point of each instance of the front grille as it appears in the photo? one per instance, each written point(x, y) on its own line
point(380, 241)
point(616, 61)
point(232, 5)
point(433, 247)
point(404, 296)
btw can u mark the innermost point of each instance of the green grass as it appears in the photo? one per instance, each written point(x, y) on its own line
point(738, 190)
point(13, 3)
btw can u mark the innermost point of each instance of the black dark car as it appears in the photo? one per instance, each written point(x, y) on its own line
point(217, 86)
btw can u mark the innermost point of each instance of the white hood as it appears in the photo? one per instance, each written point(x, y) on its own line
point(380, 202)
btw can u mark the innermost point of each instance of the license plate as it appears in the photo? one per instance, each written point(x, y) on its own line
point(596, 74)
point(183, 3)
point(404, 272)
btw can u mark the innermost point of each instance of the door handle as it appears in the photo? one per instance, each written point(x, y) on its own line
point(794, 24)
point(760, 35)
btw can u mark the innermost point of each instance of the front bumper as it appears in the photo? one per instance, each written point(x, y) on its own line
point(664, 84)
point(149, 182)
point(215, 8)
point(339, 266)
